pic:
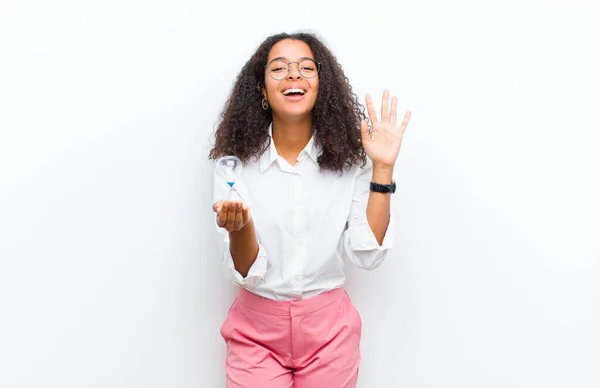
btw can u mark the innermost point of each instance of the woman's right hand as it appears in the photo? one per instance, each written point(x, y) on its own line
point(232, 215)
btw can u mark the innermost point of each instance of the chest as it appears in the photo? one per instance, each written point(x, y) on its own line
point(298, 201)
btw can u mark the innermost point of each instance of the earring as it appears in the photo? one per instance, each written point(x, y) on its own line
point(265, 104)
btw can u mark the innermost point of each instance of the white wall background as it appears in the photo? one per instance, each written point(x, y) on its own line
point(109, 275)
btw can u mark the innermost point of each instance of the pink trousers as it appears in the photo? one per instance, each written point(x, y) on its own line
point(308, 343)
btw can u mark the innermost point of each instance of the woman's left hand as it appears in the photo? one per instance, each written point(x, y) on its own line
point(382, 145)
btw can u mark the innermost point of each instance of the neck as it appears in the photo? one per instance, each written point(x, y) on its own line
point(290, 137)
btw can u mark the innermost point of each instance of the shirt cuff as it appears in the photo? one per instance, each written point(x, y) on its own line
point(256, 273)
point(362, 237)
point(362, 246)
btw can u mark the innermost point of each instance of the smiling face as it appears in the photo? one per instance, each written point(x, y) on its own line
point(294, 96)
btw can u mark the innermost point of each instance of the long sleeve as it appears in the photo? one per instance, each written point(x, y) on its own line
point(258, 270)
point(360, 243)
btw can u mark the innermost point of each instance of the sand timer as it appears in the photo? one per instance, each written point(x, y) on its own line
point(229, 168)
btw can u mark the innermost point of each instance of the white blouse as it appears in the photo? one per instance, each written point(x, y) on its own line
point(307, 221)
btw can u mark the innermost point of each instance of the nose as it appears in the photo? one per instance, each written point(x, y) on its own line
point(294, 71)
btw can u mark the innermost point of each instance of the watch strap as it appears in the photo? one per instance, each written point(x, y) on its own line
point(379, 188)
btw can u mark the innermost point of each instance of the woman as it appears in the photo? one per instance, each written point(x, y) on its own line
point(316, 189)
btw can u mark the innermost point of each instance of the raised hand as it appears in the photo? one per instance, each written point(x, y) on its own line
point(232, 215)
point(382, 143)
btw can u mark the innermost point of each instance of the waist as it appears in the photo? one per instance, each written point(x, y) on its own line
point(293, 307)
point(296, 287)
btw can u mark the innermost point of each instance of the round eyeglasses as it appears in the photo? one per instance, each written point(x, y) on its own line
point(279, 69)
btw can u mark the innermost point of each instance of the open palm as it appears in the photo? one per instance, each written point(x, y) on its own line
point(382, 143)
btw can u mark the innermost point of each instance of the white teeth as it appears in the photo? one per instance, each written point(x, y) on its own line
point(288, 91)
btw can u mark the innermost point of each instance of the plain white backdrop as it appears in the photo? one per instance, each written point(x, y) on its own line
point(109, 275)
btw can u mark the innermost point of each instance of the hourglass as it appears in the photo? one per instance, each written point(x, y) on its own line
point(229, 168)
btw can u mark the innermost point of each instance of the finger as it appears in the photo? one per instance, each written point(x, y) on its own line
point(364, 131)
point(394, 110)
point(404, 123)
point(217, 206)
point(230, 224)
point(245, 215)
point(370, 109)
point(239, 217)
point(236, 217)
point(222, 215)
point(385, 101)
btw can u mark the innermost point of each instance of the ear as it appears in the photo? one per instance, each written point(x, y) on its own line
point(262, 90)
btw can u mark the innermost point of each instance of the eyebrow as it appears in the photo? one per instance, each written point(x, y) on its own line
point(287, 59)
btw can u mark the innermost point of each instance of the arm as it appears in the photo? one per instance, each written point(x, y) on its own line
point(367, 240)
point(378, 207)
point(370, 230)
point(235, 218)
point(244, 258)
point(243, 247)
point(382, 144)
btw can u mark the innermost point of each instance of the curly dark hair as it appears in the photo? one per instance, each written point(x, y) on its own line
point(243, 129)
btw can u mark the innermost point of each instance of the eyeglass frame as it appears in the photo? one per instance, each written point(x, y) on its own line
point(289, 68)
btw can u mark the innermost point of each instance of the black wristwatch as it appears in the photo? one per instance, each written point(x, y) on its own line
point(378, 188)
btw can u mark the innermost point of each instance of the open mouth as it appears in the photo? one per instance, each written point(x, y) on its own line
point(293, 92)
